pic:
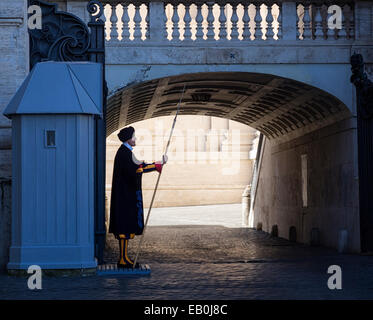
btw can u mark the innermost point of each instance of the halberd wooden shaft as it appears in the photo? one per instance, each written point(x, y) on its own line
point(157, 183)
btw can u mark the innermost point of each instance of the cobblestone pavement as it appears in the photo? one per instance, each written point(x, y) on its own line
point(212, 262)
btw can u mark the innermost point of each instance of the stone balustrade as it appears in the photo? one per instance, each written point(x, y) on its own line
point(255, 21)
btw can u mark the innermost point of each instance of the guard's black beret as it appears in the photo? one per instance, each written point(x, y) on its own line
point(126, 134)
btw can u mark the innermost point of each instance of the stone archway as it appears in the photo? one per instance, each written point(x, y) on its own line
point(286, 112)
point(280, 108)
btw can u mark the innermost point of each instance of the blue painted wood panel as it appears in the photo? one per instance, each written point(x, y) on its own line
point(55, 208)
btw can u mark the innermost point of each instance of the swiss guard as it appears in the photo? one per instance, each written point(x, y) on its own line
point(126, 210)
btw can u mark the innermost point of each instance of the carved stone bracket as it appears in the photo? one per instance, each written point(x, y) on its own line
point(364, 87)
point(364, 101)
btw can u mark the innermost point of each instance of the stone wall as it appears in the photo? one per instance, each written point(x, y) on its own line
point(5, 222)
point(210, 159)
point(328, 199)
point(14, 68)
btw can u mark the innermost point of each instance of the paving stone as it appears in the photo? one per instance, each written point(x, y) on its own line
point(213, 262)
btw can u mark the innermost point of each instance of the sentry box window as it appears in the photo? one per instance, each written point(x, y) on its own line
point(50, 138)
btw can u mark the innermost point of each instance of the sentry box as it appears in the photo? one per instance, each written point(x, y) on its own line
point(53, 115)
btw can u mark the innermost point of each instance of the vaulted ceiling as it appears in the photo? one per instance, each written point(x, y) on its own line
point(273, 105)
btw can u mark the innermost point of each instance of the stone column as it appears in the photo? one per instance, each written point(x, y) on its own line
point(156, 21)
point(289, 20)
point(364, 20)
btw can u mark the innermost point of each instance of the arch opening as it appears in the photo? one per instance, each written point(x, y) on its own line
point(284, 110)
point(280, 108)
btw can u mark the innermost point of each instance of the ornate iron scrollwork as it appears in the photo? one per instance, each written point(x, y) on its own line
point(95, 9)
point(63, 37)
point(364, 87)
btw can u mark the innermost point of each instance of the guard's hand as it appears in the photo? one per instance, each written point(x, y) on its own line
point(164, 159)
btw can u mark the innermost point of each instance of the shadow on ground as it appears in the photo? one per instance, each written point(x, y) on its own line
point(211, 244)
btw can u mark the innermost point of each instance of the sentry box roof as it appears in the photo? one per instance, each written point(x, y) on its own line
point(59, 88)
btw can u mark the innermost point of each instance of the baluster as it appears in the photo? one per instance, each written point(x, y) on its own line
point(246, 25)
point(137, 20)
point(258, 21)
point(105, 18)
point(307, 32)
point(279, 21)
point(210, 22)
point(342, 32)
point(147, 33)
point(318, 23)
point(300, 25)
point(175, 24)
point(312, 13)
point(234, 20)
point(199, 20)
point(165, 20)
point(222, 23)
point(125, 21)
point(329, 32)
point(332, 33)
point(351, 21)
point(114, 20)
point(324, 20)
point(336, 32)
point(269, 20)
point(348, 21)
point(187, 20)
